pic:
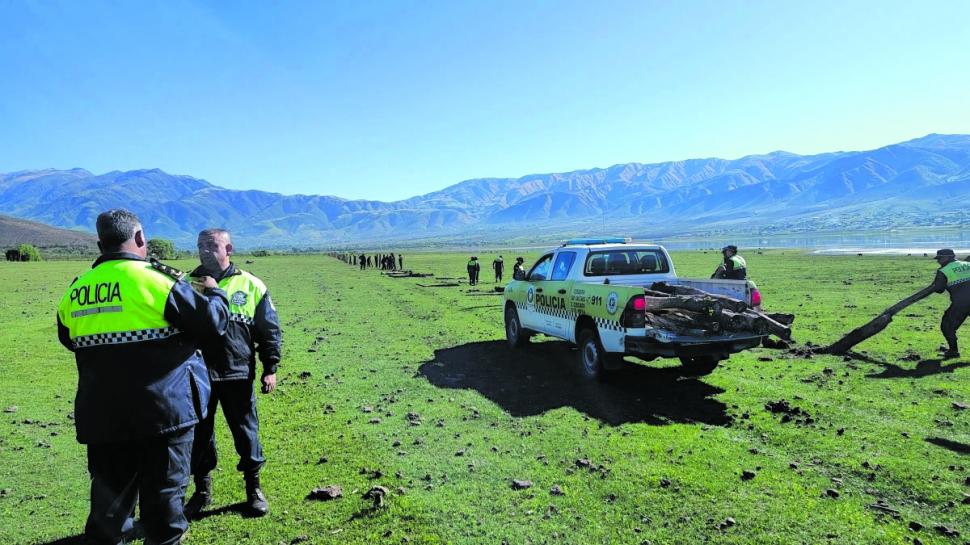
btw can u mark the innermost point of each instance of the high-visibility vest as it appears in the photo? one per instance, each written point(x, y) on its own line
point(117, 302)
point(739, 262)
point(956, 272)
point(472, 263)
point(245, 291)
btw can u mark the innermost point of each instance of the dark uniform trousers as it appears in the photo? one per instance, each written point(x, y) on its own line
point(238, 400)
point(953, 318)
point(153, 472)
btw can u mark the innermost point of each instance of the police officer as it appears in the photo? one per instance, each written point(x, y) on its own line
point(253, 329)
point(519, 267)
point(953, 276)
point(473, 269)
point(134, 327)
point(734, 266)
point(499, 266)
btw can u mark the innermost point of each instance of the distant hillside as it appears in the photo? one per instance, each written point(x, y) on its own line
point(14, 231)
point(925, 181)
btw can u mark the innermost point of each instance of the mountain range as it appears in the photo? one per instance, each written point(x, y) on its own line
point(921, 182)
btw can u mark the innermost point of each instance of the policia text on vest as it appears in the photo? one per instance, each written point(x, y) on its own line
point(142, 387)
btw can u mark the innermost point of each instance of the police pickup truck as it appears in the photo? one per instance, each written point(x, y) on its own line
point(591, 292)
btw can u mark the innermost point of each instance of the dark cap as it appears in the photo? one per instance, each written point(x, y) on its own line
point(731, 247)
point(946, 252)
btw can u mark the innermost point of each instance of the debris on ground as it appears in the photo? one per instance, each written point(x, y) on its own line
point(518, 484)
point(326, 493)
point(789, 412)
point(946, 531)
point(776, 344)
point(874, 326)
point(377, 494)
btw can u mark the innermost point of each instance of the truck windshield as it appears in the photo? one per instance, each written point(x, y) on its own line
point(540, 271)
point(618, 262)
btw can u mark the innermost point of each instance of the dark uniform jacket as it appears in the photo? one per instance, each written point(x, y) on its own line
point(234, 356)
point(959, 294)
point(135, 390)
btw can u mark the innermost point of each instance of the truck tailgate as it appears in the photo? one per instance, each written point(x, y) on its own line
point(735, 289)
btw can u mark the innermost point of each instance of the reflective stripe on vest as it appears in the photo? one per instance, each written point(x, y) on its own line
point(245, 291)
point(117, 302)
point(739, 262)
point(956, 272)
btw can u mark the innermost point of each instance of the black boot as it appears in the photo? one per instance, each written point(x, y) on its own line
point(256, 503)
point(201, 498)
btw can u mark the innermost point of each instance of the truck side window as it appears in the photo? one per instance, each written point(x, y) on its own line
point(564, 262)
point(540, 271)
point(619, 262)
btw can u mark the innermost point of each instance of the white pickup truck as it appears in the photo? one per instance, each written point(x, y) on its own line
point(591, 292)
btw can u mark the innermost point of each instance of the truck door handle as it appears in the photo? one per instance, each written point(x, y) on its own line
point(538, 290)
point(562, 291)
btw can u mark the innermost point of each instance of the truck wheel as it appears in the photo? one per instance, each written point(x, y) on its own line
point(590, 356)
point(516, 336)
point(700, 365)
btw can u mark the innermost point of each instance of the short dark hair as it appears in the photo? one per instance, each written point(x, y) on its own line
point(211, 232)
point(115, 227)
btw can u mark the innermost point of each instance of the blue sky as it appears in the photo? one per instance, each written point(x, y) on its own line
point(387, 100)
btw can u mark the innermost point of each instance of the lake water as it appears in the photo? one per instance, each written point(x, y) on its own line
point(888, 243)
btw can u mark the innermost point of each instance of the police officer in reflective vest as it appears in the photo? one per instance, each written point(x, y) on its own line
point(734, 266)
point(134, 327)
point(253, 329)
point(953, 276)
point(473, 269)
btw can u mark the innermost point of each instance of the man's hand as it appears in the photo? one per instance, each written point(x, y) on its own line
point(269, 383)
point(208, 282)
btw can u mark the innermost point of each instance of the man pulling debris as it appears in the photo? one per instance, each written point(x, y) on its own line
point(253, 329)
point(953, 276)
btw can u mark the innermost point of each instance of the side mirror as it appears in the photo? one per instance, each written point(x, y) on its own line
point(518, 275)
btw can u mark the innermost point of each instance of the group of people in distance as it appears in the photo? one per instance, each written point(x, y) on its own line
point(473, 268)
point(381, 261)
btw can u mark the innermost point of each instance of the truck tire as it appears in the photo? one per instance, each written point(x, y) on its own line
point(515, 334)
point(590, 357)
point(700, 365)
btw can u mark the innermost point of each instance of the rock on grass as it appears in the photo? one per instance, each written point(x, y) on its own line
point(519, 484)
point(326, 493)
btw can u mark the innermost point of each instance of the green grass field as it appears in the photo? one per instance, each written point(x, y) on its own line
point(666, 452)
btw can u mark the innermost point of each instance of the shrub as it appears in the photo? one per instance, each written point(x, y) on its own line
point(28, 252)
point(162, 248)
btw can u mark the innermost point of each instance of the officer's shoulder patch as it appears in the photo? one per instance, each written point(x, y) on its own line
point(167, 270)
